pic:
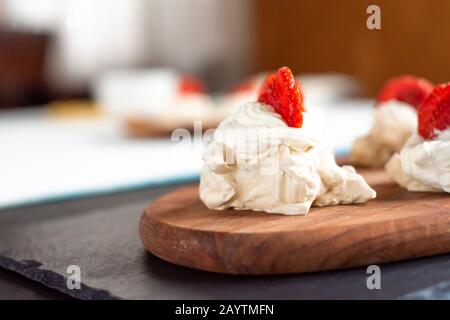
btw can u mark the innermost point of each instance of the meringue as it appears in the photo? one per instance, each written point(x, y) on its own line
point(254, 161)
point(423, 165)
point(394, 122)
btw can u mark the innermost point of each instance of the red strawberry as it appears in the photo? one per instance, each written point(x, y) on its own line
point(189, 84)
point(434, 112)
point(284, 94)
point(408, 89)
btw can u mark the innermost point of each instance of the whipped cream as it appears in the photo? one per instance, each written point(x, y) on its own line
point(255, 161)
point(394, 122)
point(423, 165)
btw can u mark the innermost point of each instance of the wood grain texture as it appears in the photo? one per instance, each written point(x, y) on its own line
point(328, 35)
point(397, 225)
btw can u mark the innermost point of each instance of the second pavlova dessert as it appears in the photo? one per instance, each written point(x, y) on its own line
point(395, 119)
point(424, 162)
point(265, 157)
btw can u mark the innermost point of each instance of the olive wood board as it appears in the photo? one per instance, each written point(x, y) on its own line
point(397, 225)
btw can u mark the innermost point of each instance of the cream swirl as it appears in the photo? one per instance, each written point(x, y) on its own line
point(423, 165)
point(255, 161)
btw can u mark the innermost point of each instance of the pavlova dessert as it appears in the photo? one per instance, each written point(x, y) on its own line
point(395, 119)
point(424, 162)
point(264, 157)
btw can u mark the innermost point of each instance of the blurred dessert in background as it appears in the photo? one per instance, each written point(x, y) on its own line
point(153, 102)
point(318, 88)
point(395, 119)
point(424, 162)
point(324, 88)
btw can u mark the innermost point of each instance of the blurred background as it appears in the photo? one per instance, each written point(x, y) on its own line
point(57, 48)
point(56, 54)
point(53, 49)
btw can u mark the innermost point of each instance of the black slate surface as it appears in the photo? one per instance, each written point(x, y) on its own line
point(101, 236)
point(15, 287)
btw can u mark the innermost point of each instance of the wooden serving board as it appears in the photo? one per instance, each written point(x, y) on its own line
point(396, 225)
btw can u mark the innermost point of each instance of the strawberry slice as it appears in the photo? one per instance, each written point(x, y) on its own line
point(408, 89)
point(434, 112)
point(190, 85)
point(284, 94)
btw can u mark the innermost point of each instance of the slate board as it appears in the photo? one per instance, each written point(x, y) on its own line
point(15, 287)
point(101, 236)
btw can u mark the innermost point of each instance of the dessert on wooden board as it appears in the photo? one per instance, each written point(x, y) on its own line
point(267, 157)
point(397, 225)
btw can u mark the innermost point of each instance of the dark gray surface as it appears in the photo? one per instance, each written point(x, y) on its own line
point(439, 291)
point(101, 236)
